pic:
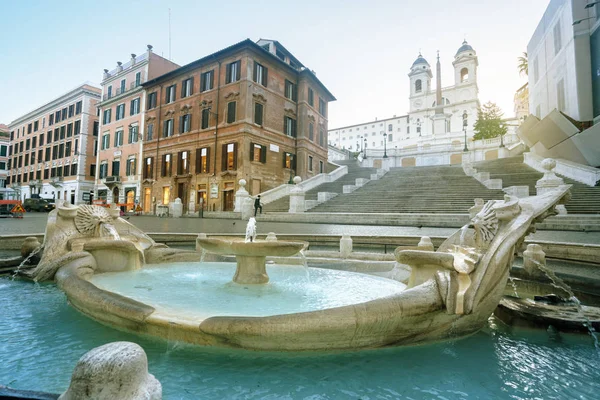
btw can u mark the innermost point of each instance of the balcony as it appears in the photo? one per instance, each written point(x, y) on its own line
point(56, 181)
point(112, 181)
point(119, 91)
point(35, 183)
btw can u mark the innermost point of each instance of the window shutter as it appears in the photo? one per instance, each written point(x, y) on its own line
point(224, 158)
point(293, 128)
point(235, 156)
point(254, 74)
point(238, 70)
point(189, 122)
point(165, 129)
point(207, 159)
point(198, 155)
point(167, 94)
point(228, 73)
point(151, 167)
point(265, 76)
point(251, 151)
point(181, 124)
point(293, 161)
point(134, 166)
point(163, 167)
point(263, 154)
point(212, 79)
point(191, 85)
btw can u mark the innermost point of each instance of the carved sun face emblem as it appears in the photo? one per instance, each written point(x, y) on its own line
point(89, 217)
point(485, 224)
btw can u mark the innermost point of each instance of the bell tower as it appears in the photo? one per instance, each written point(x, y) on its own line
point(420, 81)
point(465, 65)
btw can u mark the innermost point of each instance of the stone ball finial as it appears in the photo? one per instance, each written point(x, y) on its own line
point(549, 164)
point(242, 182)
point(297, 180)
point(116, 370)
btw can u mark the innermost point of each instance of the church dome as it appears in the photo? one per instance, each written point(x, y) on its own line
point(465, 47)
point(420, 61)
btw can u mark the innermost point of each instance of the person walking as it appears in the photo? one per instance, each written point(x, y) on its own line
point(257, 205)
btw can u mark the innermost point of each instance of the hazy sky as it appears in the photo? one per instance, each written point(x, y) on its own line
point(361, 50)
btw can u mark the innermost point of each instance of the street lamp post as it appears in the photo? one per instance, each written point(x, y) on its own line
point(385, 145)
point(465, 116)
point(361, 144)
point(365, 148)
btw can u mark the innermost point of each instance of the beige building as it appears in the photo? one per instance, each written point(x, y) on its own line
point(121, 111)
point(52, 148)
point(4, 147)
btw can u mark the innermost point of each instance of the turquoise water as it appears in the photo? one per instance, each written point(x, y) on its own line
point(42, 338)
point(205, 289)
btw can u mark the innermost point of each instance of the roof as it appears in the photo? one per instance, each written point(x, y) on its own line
point(244, 43)
point(465, 47)
point(420, 60)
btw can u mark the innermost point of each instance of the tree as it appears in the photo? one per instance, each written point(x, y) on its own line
point(489, 122)
point(523, 65)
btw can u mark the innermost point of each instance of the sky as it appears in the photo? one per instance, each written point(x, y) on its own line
point(361, 50)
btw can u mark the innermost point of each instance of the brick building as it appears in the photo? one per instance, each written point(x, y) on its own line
point(250, 111)
point(4, 146)
point(52, 147)
point(121, 111)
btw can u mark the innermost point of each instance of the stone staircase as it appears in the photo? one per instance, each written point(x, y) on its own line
point(514, 172)
point(424, 190)
point(328, 190)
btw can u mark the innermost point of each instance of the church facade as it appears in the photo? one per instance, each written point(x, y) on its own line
point(439, 118)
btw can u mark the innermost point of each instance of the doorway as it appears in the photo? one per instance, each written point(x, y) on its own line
point(228, 196)
point(147, 199)
point(130, 200)
point(115, 195)
point(181, 193)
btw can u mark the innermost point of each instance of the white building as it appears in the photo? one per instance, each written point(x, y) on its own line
point(430, 122)
point(560, 60)
point(52, 148)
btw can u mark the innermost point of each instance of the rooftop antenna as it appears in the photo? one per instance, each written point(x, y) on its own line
point(169, 34)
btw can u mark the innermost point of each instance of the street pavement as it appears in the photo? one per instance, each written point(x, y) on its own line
point(36, 223)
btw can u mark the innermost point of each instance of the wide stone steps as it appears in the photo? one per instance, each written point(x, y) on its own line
point(514, 172)
point(354, 172)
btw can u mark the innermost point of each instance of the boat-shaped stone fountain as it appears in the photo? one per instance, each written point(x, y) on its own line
point(451, 292)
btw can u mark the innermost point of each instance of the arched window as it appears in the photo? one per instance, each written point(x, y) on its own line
point(418, 86)
point(464, 75)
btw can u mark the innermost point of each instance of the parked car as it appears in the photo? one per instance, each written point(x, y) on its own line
point(38, 205)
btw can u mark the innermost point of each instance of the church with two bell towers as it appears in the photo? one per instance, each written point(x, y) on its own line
point(439, 111)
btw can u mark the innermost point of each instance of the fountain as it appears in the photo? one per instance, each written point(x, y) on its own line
point(450, 293)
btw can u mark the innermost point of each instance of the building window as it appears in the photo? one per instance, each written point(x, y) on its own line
point(50, 122)
point(260, 74)
point(96, 128)
point(138, 79)
point(258, 153)
point(149, 131)
point(168, 128)
point(322, 107)
point(133, 134)
point(310, 163)
point(64, 114)
point(258, 113)
point(62, 132)
point(187, 87)
point(71, 110)
point(130, 167)
point(203, 160)
point(289, 161)
point(134, 107)
point(321, 137)
point(321, 167)
point(67, 149)
point(233, 72)
point(290, 90)
point(166, 165)
point(311, 97)
point(185, 123)
point(170, 94)
point(229, 157)
point(311, 133)
point(120, 112)
point(205, 118)
point(116, 168)
point(389, 137)
point(92, 169)
point(560, 94)
point(151, 101)
point(148, 168)
point(106, 117)
point(289, 126)
point(183, 163)
point(557, 38)
point(77, 128)
point(69, 130)
point(36, 125)
point(103, 170)
point(464, 75)
point(118, 138)
point(231, 108)
point(207, 80)
point(418, 86)
point(390, 128)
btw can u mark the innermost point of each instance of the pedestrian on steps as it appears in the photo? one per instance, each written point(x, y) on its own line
point(257, 205)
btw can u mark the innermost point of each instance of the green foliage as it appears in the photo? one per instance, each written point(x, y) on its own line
point(523, 65)
point(489, 122)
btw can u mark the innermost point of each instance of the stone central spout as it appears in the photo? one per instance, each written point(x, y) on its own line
point(250, 256)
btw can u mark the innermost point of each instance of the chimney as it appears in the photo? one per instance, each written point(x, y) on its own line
point(149, 48)
point(105, 76)
point(119, 66)
point(132, 59)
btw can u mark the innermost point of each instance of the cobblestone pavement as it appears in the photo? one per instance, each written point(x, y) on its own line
point(36, 223)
